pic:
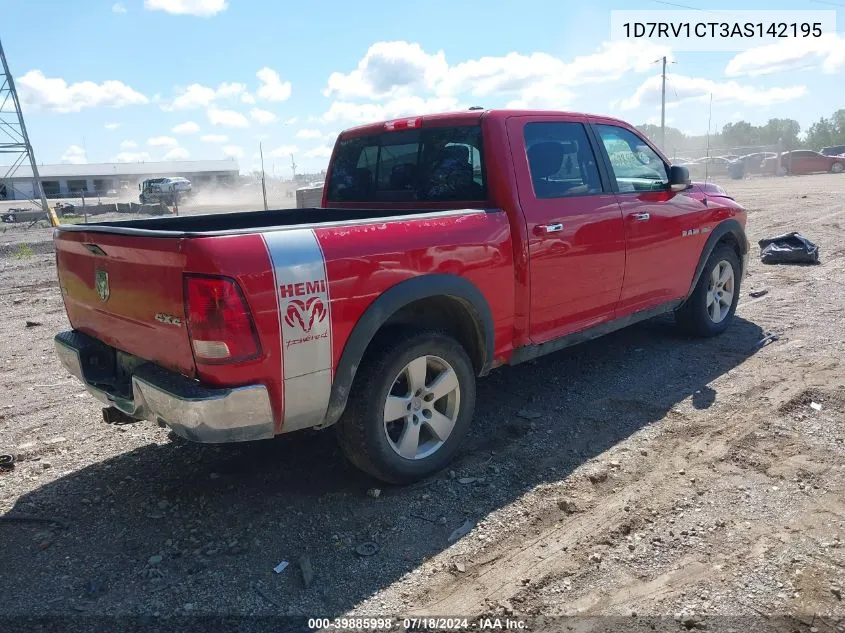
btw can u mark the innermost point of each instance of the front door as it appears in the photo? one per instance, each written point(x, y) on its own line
point(575, 235)
point(662, 227)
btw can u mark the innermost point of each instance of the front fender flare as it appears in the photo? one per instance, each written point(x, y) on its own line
point(723, 228)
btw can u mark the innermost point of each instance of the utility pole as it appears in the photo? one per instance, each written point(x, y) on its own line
point(293, 167)
point(663, 108)
point(16, 139)
point(263, 185)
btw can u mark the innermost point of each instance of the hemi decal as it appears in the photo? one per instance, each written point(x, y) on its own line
point(302, 294)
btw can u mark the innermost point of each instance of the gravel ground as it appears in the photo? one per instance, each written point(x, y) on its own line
point(640, 475)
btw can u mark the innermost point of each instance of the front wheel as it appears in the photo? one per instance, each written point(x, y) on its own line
point(710, 308)
point(410, 406)
point(837, 168)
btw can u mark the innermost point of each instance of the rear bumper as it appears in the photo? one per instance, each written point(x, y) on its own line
point(195, 412)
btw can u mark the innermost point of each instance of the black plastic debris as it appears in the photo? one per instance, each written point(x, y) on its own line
point(789, 248)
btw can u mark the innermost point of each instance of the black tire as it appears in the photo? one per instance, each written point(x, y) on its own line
point(361, 429)
point(837, 168)
point(693, 317)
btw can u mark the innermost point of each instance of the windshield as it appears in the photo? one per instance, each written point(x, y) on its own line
point(436, 164)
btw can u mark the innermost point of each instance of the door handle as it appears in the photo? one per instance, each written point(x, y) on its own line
point(549, 228)
point(641, 217)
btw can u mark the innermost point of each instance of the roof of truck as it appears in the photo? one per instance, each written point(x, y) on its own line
point(464, 117)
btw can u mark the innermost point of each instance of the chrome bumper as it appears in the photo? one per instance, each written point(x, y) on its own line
point(195, 412)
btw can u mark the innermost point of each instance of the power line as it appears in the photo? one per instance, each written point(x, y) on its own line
point(686, 6)
point(831, 4)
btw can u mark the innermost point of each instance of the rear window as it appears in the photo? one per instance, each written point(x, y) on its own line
point(436, 164)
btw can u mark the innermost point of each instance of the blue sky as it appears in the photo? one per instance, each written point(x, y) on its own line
point(172, 78)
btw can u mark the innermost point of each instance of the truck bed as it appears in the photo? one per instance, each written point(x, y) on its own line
point(245, 221)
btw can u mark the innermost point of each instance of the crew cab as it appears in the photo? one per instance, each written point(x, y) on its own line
point(446, 245)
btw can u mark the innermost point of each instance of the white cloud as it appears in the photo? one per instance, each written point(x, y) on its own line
point(118, 7)
point(792, 54)
point(309, 134)
point(194, 96)
point(128, 144)
point(655, 120)
point(247, 98)
point(177, 153)
point(131, 157)
point(348, 112)
point(111, 126)
point(233, 151)
point(291, 120)
point(544, 95)
point(262, 117)
point(393, 71)
point(200, 8)
point(75, 155)
point(700, 89)
point(188, 127)
point(388, 69)
point(272, 88)
point(198, 96)
point(162, 141)
point(230, 89)
point(324, 151)
point(284, 151)
point(214, 138)
point(228, 118)
point(57, 95)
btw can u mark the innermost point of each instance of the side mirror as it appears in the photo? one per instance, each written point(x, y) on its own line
point(678, 178)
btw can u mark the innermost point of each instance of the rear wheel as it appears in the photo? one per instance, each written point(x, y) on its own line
point(710, 308)
point(410, 406)
point(837, 168)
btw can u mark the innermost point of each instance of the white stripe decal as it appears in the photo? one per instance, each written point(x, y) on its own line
point(302, 293)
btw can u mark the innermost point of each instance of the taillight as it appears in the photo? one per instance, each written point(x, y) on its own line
point(219, 322)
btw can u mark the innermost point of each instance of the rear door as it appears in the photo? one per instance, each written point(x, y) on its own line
point(819, 161)
point(576, 241)
point(662, 234)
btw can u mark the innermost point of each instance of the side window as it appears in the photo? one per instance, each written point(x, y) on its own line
point(561, 160)
point(636, 166)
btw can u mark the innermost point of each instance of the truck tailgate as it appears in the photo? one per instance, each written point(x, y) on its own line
point(127, 292)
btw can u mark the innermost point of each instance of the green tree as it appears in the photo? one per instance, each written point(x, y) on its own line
point(740, 134)
point(826, 132)
point(786, 130)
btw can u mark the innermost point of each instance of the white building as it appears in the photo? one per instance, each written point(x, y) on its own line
point(93, 179)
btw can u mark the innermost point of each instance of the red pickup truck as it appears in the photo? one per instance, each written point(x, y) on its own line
point(446, 245)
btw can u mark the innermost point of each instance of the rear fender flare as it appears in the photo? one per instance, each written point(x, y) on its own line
point(385, 306)
point(727, 226)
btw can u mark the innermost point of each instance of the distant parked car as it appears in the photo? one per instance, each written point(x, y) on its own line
point(748, 164)
point(805, 161)
point(708, 166)
point(834, 150)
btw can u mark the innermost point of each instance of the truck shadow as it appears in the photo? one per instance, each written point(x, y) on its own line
point(221, 518)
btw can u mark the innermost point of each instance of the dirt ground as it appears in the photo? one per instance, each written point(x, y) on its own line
point(643, 481)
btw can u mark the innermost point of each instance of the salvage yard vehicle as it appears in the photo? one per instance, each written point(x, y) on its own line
point(748, 164)
point(445, 246)
point(166, 190)
point(804, 161)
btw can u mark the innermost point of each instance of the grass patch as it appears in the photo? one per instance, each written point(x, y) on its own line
point(23, 252)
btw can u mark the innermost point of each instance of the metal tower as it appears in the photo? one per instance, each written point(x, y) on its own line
point(14, 140)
